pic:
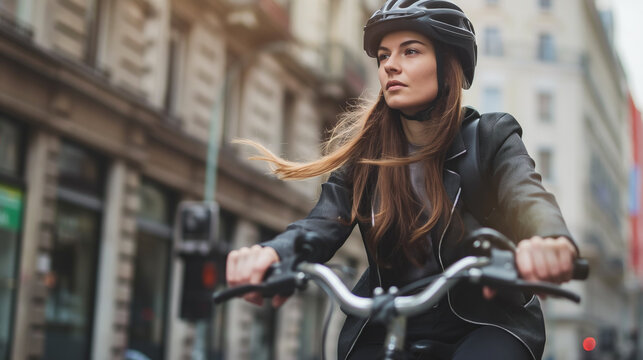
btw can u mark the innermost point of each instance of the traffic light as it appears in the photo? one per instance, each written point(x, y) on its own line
point(197, 226)
point(203, 261)
point(201, 275)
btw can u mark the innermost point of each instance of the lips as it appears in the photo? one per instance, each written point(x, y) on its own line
point(394, 83)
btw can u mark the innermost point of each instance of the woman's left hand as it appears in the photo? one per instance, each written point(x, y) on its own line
point(543, 259)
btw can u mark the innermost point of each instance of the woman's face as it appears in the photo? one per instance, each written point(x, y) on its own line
point(407, 71)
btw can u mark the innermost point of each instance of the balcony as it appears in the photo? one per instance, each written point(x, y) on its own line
point(258, 22)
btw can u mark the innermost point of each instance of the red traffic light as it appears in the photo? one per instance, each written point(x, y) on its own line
point(209, 274)
point(589, 343)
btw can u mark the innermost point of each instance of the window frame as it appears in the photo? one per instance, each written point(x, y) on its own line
point(545, 5)
point(493, 45)
point(545, 97)
point(175, 68)
point(546, 51)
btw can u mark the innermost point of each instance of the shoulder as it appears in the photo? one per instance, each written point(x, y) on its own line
point(492, 125)
point(499, 124)
point(495, 130)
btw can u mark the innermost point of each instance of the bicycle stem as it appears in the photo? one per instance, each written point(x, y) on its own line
point(395, 338)
point(407, 305)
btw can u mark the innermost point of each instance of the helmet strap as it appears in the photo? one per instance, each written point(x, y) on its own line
point(424, 115)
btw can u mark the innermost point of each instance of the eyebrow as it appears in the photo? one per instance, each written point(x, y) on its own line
point(406, 43)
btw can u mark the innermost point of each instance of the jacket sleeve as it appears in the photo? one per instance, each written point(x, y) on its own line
point(524, 207)
point(330, 219)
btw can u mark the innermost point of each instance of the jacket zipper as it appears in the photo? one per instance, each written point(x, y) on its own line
point(457, 198)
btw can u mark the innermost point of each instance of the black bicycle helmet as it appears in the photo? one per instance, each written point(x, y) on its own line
point(439, 20)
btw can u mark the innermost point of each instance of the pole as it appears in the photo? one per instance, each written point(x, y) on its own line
point(217, 111)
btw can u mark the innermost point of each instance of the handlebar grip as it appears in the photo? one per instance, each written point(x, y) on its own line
point(581, 269)
point(227, 294)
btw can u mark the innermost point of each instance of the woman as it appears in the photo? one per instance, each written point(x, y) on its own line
point(394, 174)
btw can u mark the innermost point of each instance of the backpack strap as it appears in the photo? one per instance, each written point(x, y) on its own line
point(477, 193)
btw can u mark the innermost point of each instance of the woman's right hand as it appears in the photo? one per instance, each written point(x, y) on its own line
point(247, 266)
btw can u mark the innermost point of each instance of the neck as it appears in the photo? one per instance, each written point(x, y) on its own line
point(415, 131)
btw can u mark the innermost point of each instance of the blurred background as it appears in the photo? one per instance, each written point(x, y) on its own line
point(113, 113)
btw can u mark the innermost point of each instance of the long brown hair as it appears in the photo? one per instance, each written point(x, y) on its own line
point(370, 140)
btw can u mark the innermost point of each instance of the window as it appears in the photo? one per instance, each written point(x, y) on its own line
point(174, 74)
point(148, 308)
point(544, 4)
point(546, 48)
point(92, 19)
point(10, 137)
point(545, 164)
point(492, 42)
point(69, 306)
point(491, 99)
point(545, 106)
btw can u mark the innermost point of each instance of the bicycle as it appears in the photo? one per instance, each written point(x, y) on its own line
point(493, 264)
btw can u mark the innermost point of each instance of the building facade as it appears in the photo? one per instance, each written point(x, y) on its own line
point(552, 65)
point(106, 109)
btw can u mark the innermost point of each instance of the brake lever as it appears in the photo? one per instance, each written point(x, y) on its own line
point(502, 272)
point(548, 288)
point(280, 279)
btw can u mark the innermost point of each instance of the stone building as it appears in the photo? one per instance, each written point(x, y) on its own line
point(105, 113)
point(552, 65)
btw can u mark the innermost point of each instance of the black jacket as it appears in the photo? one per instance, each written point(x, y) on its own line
point(523, 209)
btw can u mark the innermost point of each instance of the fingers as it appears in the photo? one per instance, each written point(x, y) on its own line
point(488, 293)
point(546, 259)
point(524, 261)
point(278, 300)
point(248, 266)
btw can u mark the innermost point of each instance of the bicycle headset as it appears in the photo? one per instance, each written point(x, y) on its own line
point(441, 21)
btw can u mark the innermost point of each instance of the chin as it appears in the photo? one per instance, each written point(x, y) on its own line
point(396, 104)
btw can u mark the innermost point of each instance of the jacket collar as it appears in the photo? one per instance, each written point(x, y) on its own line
point(457, 148)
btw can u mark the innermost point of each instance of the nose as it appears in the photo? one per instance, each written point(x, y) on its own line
point(391, 66)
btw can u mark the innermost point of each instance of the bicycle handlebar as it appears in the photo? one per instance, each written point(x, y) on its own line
point(495, 268)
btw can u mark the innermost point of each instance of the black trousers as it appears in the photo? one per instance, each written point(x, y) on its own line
point(462, 340)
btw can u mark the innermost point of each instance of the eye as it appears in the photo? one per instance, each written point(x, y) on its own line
point(382, 56)
point(411, 51)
